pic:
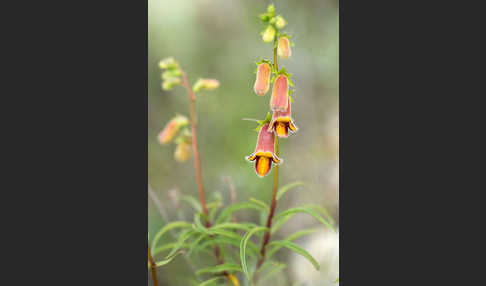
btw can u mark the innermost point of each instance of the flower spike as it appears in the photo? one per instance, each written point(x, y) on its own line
point(264, 152)
point(280, 94)
point(282, 122)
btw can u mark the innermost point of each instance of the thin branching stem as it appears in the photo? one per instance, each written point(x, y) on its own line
point(197, 163)
point(266, 238)
point(153, 268)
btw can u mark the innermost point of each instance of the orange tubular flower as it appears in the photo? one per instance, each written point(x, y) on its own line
point(280, 94)
point(262, 82)
point(284, 48)
point(282, 122)
point(264, 152)
point(171, 129)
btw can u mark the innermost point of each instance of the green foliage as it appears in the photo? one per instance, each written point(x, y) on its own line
point(192, 202)
point(166, 228)
point(226, 213)
point(296, 249)
point(243, 245)
point(291, 237)
point(167, 260)
point(274, 269)
point(285, 215)
point(209, 281)
point(282, 190)
point(229, 267)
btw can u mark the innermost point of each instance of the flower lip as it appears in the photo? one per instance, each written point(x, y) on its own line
point(282, 122)
point(264, 153)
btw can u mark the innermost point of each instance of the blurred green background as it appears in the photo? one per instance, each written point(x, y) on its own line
point(221, 39)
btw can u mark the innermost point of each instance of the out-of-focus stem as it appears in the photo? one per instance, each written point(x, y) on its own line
point(153, 267)
point(266, 237)
point(197, 161)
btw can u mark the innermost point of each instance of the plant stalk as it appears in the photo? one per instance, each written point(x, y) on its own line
point(153, 268)
point(266, 238)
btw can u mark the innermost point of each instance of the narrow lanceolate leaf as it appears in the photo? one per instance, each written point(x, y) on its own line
point(166, 228)
point(308, 210)
point(208, 282)
point(196, 243)
point(243, 244)
point(291, 237)
point(165, 261)
point(226, 213)
point(180, 242)
point(323, 211)
point(282, 190)
point(193, 202)
point(252, 248)
point(234, 225)
point(165, 247)
point(219, 268)
point(292, 246)
point(260, 203)
point(198, 224)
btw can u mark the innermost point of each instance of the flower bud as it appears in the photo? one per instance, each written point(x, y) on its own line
point(264, 152)
point(170, 82)
point(262, 82)
point(205, 83)
point(171, 129)
point(268, 34)
point(168, 63)
point(282, 122)
point(183, 151)
point(280, 94)
point(284, 48)
point(280, 22)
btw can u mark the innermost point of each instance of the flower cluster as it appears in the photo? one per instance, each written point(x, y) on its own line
point(281, 120)
point(173, 76)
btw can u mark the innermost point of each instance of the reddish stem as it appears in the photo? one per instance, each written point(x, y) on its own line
point(153, 268)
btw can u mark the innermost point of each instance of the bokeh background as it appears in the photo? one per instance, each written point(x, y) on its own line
point(221, 39)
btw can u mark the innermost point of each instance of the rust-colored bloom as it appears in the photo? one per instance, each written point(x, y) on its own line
point(282, 122)
point(171, 129)
point(183, 151)
point(284, 48)
point(280, 94)
point(264, 152)
point(262, 82)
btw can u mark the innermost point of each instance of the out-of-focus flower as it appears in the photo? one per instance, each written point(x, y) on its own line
point(171, 129)
point(282, 122)
point(280, 22)
point(284, 48)
point(170, 82)
point(262, 82)
point(268, 34)
point(280, 94)
point(183, 151)
point(168, 63)
point(264, 152)
point(205, 83)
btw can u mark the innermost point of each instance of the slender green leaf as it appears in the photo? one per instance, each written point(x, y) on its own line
point(309, 210)
point(294, 247)
point(282, 190)
point(198, 224)
point(193, 202)
point(260, 203)
point(208, 282)
point(234, 225)
point(180, 242)
point(323, 211)
point(219, 268)
point(166, 228)
point(214, 210)
point(291, 237)
point(167, 260)
point(226, 213)
point(166, 247)
point(243, 244)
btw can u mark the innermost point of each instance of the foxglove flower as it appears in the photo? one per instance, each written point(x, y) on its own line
point(262, 82)
point(183, 151)
point(171, 129)
point(206, 83)
point(268, 34)
point(280, 22)
point(282, 122)
point(280, 94)
point(264, 152)
point(284, 48)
